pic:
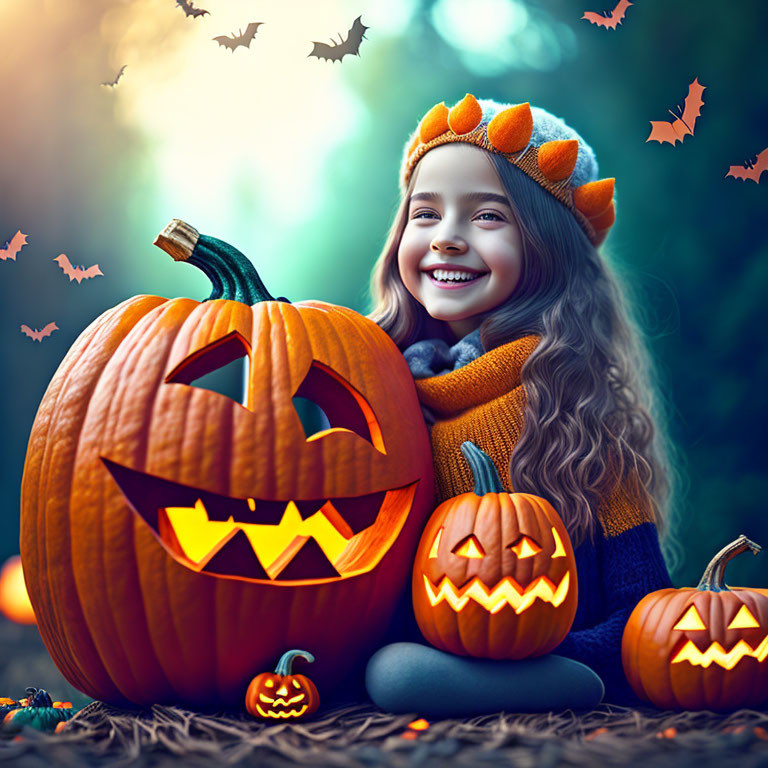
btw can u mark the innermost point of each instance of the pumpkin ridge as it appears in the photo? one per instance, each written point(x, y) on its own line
point(192, 646)
point(140, 338)
point(42, 467)
point(122, 314)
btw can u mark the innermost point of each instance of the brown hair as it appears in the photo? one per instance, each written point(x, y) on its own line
point(593, 416)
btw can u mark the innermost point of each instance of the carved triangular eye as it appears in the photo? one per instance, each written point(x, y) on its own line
point(743, 619)
point(690, 620)
point(221, 367)
point(469, 547)
point(559, 548)
point(327, 402)
point(525, 547)
point(436, 544)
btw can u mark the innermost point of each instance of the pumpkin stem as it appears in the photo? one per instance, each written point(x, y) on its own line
point(713, 578)
point(483, 470)
point(285, 665)
point(232, 275)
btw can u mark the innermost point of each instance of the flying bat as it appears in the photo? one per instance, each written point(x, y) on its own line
point(337, 51)
point(611, 20)
point(113, 83)
point(244, 38)
point(41, 334)
point(752, 169)
point(76, 273)
point(190, 10)
point(682, 125)
point(13, 246)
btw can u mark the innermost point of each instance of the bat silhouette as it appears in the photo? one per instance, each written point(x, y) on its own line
point(752, 169)
point(13, 246)
point(244, 38)
point(76, 273)
point(113, 83)
point(190, 10)
point(683, 123)
point(612, 20)
point(337, 51)
point(41, 334)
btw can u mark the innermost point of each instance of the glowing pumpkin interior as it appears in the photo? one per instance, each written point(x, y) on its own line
point(507, 591)
point(688, 651)
point(282, 541)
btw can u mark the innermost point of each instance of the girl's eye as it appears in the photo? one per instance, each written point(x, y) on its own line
point(422, 214)
point(489, 216)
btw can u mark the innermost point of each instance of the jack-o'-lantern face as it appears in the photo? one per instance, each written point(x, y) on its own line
point(700, 648)
point(498, 561)
point(282, 695)
point(497, 574)
point(279, 540)
point(722, 632)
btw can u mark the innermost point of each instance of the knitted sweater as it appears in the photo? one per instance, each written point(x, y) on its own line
point(483, 400)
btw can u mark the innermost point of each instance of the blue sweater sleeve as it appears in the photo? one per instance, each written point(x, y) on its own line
point(628, 567)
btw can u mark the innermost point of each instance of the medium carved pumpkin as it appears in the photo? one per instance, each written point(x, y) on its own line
point(282, 695)
point(700, 648)
point(175, 539)
point(494, 574)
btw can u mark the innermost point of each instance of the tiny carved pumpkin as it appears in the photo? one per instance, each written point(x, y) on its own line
point(175, 538)
point(494, 574)
point(37, 710)
point(700, 648)
point(282, 694)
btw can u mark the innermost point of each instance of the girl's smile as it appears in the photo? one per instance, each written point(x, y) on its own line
point(461, 251)
point(452, 277)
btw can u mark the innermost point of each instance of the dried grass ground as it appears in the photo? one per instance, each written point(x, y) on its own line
point(361, 735)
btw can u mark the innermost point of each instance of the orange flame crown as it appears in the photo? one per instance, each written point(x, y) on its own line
point(538, 143)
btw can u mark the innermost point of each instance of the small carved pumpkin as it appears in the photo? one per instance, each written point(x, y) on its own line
point(494, 574)
point(700, 648)
point(281, 694)
point(175, 538)
point(37, 710)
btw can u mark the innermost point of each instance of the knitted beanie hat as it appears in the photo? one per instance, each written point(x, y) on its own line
point(538, 143)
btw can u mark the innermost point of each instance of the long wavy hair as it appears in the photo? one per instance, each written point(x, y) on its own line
point(594, 416)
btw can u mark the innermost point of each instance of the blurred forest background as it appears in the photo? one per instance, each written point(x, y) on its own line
point(294, 160)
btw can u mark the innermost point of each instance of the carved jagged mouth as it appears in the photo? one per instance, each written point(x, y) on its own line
point(282, 713)
point(506, 593)
point(280, 707)
point(716, 654)
point(281, 542)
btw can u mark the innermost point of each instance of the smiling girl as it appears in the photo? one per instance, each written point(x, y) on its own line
point(520, 339)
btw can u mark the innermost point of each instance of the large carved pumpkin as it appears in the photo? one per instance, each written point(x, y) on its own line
point(494, 574)
point(703, 647)
point(175, 541)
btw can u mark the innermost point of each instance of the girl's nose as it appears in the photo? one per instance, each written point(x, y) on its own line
point(450, 245)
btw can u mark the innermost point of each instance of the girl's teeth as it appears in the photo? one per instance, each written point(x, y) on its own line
point(445, 275)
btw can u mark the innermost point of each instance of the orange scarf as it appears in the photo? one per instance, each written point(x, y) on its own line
point(484, 401)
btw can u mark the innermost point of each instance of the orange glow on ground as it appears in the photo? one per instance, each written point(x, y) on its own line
point(14, 600)
point(419, 725)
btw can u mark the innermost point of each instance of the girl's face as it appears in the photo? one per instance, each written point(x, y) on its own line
point(460, 254)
